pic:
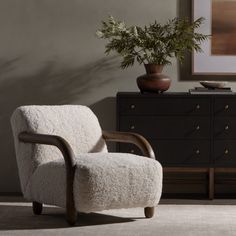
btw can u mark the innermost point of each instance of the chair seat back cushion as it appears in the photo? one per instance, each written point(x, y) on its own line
point(76, 124)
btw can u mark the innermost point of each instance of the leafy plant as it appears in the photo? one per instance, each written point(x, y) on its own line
point(153, 44)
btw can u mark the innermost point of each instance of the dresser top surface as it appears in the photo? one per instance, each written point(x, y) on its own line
point(170, 94)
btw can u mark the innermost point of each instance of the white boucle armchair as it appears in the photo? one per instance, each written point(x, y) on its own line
point(63, 160)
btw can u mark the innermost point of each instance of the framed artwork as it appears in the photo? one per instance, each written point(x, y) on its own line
point(217, 61)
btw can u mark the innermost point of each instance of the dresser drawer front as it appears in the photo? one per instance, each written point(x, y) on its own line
point(225, 106)
point(225, 153)
point(225, 127)
point(166, 127)
point(176, 152)
point(164, 106)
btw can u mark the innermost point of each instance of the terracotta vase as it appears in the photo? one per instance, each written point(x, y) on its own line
point(153, 80)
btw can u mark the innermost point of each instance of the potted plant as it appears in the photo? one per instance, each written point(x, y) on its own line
point(153, 45)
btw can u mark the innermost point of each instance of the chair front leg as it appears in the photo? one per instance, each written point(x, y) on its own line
point(71, 212)
point(140, 142)
point(37, 208)
point(149, 212)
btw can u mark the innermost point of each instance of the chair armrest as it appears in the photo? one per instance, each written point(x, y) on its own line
point(68, 155)
point(52, 140)
point(134, 138)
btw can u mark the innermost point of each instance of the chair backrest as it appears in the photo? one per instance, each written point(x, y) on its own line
point(76, 124)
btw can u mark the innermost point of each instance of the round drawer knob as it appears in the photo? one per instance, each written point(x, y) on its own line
point(226, 127)
point(132, 151)
point(226, 107)
point(226, 151)
point(198, 107)
point(198, 127)
point(132, 127)
point(132, 106)
point(197, 151)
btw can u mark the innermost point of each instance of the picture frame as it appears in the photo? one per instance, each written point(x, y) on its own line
point(206, 65)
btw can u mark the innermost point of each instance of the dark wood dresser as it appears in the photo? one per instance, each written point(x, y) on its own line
point(193, 137)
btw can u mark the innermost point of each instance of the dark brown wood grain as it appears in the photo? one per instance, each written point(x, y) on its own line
point(37, 208)
point(186, 169)
point(225, 170)
point(128, 137)
point(211, 183)
point(192, 135)
point(68, 154)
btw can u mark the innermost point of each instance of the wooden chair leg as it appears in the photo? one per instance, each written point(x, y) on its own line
point(71, 212)
point(71, 216)
point(37, 208)
point(149, 212)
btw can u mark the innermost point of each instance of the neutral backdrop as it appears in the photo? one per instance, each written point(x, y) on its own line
point(49, 55)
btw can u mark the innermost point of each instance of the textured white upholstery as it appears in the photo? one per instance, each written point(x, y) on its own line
point(77, 124)
point(102, 180)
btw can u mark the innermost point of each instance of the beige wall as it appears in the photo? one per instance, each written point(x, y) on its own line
point(50, 55)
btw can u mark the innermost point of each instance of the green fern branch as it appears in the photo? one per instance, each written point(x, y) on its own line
point(154, 43)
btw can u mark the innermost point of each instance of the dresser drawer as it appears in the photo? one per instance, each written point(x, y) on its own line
point(176, 152)
point(164, 106)
point(225, 106)
point(167, 127)
point(225, 127)
point(225, 153)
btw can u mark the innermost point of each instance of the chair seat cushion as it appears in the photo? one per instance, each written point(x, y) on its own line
point(102, 181)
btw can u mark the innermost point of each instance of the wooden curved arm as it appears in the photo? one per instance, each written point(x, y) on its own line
point(134, 138)
point(138, 140)
point(70, 164)
point(53, 140)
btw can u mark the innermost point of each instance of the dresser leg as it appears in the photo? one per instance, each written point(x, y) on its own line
point(211, 184)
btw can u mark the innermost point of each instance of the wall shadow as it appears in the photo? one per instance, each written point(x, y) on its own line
point(106, 113)
point(48, 86)
point(105, 110)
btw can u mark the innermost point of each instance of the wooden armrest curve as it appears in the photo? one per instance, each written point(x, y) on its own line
point(53, 140)
point(127, 137)
point(70, 164)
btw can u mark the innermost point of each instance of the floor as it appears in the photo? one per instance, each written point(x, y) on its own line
point(173, 217)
